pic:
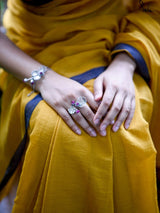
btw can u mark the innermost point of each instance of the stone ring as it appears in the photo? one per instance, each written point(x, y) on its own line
point(75, 105)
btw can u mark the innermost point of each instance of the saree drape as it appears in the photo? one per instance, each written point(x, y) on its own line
point(61, 171)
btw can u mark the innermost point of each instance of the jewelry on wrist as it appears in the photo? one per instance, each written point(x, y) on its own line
point(36, 75)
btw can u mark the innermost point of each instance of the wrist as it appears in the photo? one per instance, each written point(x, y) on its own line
point(41, 84)
point(125, 61)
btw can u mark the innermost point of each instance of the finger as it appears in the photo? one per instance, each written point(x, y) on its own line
point(90, 100)
point(126, 108)
point(68, 120)
point(105, 104)
point(64, 114)
point(114, 111)
point(84, 124)
point(130, 115)
point(74, 112)
point(98, 89)
point(89, 115)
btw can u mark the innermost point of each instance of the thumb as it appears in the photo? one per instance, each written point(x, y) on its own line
point(98, 89)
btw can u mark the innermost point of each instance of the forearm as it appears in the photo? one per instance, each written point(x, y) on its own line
point(14, 60)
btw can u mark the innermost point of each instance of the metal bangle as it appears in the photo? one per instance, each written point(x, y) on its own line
point(36, 75)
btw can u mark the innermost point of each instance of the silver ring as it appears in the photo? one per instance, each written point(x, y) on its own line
point(72, 110)
point(79, 103)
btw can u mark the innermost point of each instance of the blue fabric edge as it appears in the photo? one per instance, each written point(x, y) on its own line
point(141, 64)
point(30, 107)
point(13, 164)
point(88, 75)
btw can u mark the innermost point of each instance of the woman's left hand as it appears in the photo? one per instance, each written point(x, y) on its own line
point(115, 91)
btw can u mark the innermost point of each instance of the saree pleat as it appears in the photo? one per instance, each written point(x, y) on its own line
point(61, 171)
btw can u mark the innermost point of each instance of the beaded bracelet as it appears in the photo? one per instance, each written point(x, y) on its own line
point(36, 75)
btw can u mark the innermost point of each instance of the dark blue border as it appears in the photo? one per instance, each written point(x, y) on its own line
point(30, 107)
point(141, 64)
point(20, 150)
point(88, 75)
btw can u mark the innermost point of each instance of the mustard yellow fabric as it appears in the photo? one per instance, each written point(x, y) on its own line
point(61, 171)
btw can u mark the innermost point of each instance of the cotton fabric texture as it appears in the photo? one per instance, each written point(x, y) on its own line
point(61, 171)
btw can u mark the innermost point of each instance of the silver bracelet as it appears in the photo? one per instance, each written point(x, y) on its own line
point(36, 75)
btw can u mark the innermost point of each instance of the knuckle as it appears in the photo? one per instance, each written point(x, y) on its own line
point(69, 97)
point(127, 110)
point(109, 99)
point(56, 104)
point(117, 108)
point(66, 117)
point(120, 120)
point(78, 118)
point(81, 90)
point(113, 86)
point(88, 115)
point(107, 103)
point(125, 89)
point(108, 120)
point(100, 115)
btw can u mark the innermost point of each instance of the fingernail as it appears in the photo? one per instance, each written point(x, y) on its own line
point(93, 133)
point(103, 127)
point(96, 121)
point(78, 132)
point(126, 126)
point(96, 97)
point(115, 128)
point(103, 133)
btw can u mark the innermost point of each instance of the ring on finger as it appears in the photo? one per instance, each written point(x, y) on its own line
point(72, 110)
point(79, 103)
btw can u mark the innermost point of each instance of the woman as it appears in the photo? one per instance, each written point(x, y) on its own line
point(59, 153)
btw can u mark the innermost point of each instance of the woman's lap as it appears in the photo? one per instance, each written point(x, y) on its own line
point(64, 172)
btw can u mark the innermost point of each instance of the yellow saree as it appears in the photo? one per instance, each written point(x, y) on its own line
point(59, 170)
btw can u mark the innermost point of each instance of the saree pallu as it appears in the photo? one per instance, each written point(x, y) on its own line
point(61, 171)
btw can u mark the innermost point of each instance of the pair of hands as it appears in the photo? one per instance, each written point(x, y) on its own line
point(112, 103)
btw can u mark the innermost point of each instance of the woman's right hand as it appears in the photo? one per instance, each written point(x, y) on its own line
point(59, 91)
